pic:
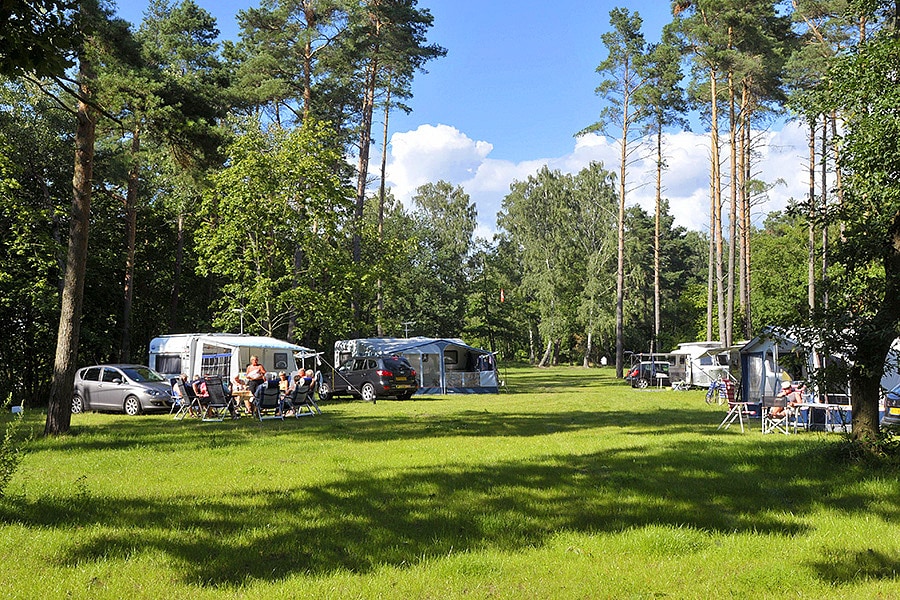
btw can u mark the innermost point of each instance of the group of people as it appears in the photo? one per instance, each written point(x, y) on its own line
point(254, 380)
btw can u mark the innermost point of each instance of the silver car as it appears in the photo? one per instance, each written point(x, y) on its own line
point(131, 389)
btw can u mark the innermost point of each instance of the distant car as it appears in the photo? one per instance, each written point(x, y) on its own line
point(648, 372)
point(370, 377)
point(131, 389)
point(892, 408)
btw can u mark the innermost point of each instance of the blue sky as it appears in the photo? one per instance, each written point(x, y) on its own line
point(516, 85)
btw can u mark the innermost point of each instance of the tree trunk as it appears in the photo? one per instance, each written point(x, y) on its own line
point(657, 321)
point(545, 360)
point(531, 355)
point(365, 141)
point(176, 275)
point(743, 233)
point(59, 410)
point(811, 246)
point(311, 17)
point(130, 239)
point(379, 317)
point(748, 311)
point(824, 205)
point(872, 346)
point(586, 363)
point(717, 193)
point(715, 231)
point(732, 212)
point(620, 262)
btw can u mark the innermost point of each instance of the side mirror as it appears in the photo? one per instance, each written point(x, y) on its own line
point(117, 381)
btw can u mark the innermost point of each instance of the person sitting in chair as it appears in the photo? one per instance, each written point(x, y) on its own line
point(792, 395)
point(260, 392)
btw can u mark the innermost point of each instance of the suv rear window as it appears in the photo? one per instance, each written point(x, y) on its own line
point(396, 363)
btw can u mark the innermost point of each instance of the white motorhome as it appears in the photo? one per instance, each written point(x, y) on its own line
point(225, 354)
point(699, 363)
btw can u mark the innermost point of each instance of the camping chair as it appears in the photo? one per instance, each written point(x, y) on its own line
point(737, 411)
point(187, 401)
point(219, 402)
point(297, 400)
point(777, 423)
point(269, 403)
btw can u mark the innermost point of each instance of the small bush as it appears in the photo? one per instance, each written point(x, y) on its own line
point(883, 451)
point(10, 450)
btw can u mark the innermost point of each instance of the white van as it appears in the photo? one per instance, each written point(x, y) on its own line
point(224, 354)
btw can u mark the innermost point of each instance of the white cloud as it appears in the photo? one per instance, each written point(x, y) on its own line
point(431, 153)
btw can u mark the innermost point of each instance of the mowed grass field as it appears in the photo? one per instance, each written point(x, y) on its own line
point(569, 484)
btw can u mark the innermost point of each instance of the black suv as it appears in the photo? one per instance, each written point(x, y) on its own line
point(370, 377)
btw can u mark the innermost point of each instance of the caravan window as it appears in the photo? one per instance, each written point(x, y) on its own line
point(451, 357)
point(168, 363)
point(216, 361)
point(281, 361)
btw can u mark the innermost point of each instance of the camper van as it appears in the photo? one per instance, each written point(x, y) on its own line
point(700, 363)
point(224, 354)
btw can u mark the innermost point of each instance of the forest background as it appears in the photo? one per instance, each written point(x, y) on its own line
point(230, 185)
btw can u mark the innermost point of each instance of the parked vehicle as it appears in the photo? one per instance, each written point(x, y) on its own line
point(370, 377)
point(224, 354)
point(647, 373)
point(131, 389)
point(892, 408)
point(443, 365)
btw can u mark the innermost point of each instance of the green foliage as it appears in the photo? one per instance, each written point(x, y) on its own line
point(11, 453)
point(35, 192)
point(445, 220)
point(564, 227)
point(271, 230)
point(37, 37)
point(779, 293)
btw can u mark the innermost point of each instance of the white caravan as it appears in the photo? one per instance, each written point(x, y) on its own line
point(224, 354)
point(699, 363)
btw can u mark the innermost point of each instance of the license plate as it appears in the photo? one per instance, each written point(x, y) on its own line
point(895, 410)
point(400, 378)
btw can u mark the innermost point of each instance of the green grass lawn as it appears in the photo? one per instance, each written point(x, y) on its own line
point(569, 484)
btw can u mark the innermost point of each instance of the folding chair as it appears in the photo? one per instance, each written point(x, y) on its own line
point(219, 402)
point(299, 401)
point(187, 401)
point(269, 403)
point(775, 423)
point(737, 411)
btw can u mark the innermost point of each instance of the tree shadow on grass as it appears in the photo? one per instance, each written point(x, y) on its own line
point(840, 567)
point(369, 519)
point(127, 433)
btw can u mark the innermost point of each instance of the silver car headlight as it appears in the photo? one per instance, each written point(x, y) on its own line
point(153, 393)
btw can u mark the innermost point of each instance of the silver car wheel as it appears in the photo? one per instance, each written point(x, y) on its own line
point(77, 405)
point(132, 406)
point(368, 392)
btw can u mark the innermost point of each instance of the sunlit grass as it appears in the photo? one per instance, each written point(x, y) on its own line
point(569, 484)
